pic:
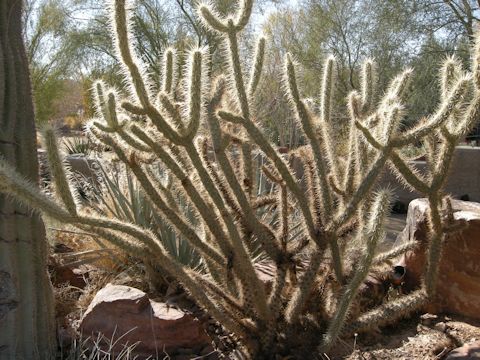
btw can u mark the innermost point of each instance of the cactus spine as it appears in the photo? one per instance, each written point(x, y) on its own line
point(26, 299)
point(204, 131)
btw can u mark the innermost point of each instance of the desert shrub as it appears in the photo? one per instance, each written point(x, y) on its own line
point(323, 237)
point(74, 122)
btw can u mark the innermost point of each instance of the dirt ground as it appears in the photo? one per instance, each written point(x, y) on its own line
point(422, 337)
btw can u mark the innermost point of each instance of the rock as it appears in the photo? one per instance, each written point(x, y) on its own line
point(441, 326)
point(458, 289)
point(122, 311)
point(266, 273)
point(371, 293)
point(67, 275)
point(466, 352)
point(427, 319)
point(83, 166)
point(60, 248)
point(80, 166)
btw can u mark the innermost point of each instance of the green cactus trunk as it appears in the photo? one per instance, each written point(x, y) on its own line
point(26, 301)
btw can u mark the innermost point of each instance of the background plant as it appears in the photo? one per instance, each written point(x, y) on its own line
point(205, 131)
point(77, 145)
point(69, 45)
point(120, 196)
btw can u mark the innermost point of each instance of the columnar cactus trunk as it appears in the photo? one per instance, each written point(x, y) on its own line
point(26, 302)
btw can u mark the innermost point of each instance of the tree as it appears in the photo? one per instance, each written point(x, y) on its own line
point(453, 18)
point(51, 51)
point(396, 34)
point(26, 300)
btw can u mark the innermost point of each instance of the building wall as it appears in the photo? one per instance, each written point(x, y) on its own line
point(463, 179)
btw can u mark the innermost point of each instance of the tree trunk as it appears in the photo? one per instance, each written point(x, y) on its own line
point(27, 328)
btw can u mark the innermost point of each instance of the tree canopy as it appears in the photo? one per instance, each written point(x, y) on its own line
point(70, 40)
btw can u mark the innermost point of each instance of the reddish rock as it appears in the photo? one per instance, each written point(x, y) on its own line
point(60, 248)
point(122, 311)
point(458, 289)
point(466, 352)
point(266, 271)
point(66, 275)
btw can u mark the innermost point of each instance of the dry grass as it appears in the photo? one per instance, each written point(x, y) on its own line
point(74, 122)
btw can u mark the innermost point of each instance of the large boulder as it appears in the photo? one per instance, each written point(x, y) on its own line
point(458, 289)
point(127, 314)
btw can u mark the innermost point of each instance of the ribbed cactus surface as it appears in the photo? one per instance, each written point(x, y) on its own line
point(27, 329)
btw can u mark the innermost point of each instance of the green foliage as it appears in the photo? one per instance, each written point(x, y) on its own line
point(77, 145)
point(396, 34)
point(46, 92)
point(87, 98)
point(51, 54)
point(205, 131)
point(121, 197)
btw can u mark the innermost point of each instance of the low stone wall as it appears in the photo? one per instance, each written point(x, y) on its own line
point(463, 179)
point(80, 165)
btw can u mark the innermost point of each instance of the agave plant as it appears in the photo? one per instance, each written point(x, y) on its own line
point(120, 196)
point(77, 145)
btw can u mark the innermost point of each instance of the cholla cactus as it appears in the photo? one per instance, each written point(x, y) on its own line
point(205, 132)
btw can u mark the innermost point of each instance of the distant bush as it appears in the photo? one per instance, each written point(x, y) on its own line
point(74, 122)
